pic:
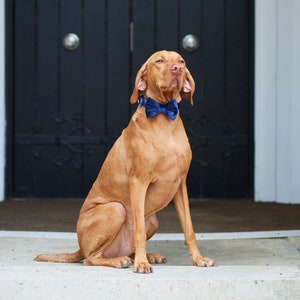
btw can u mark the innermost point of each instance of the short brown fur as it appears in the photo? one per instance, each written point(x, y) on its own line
point(145, 170)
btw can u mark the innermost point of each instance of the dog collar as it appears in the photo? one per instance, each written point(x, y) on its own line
point(153, 108)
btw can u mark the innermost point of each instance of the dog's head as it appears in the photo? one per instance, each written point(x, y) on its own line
point(163, 77)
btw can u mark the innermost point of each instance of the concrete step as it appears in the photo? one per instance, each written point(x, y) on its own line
point(258, 265)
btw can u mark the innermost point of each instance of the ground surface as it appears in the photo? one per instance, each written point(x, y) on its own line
point(208, 216)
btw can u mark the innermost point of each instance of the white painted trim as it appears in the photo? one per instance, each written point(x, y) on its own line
point(277, 105)
point(288, 104)
point(2, 100)
point(265, 99)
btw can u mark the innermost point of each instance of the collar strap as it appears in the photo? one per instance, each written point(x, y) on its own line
point(153, 108)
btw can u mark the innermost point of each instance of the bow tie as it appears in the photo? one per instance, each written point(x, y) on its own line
point(153, 108)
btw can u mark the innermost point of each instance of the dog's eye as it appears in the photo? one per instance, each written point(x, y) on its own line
point(160, 60)
point(181, 61)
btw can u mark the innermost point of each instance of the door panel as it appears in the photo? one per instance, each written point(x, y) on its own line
point(219, 125)
point(64, 122)
point(69, 106)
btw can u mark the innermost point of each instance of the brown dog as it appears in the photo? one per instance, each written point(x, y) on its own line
point(145, 169)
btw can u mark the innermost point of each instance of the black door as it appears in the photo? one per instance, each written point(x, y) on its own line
point(67, 106)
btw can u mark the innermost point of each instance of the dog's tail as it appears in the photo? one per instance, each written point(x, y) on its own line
point(62, 258)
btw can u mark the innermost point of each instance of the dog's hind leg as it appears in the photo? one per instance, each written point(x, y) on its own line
point(101, 238)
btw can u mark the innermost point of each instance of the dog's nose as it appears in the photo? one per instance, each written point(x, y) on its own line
point(176, 69)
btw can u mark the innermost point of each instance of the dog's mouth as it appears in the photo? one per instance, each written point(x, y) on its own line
point(175, 82)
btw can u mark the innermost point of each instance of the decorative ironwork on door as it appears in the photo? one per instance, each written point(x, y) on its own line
point(74, 63)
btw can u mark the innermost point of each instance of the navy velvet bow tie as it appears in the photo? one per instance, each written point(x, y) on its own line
point(153, 108)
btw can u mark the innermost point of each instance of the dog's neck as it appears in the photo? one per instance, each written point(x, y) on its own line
point(153, 108)
point(163, 97)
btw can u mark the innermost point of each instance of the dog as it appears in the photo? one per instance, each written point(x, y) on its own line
point(144, 171)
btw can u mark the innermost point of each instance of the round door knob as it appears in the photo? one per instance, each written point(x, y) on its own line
point(190, 43)
point(71, 41)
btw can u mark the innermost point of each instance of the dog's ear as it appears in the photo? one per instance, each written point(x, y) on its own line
point(140, 84)
point(188, 88)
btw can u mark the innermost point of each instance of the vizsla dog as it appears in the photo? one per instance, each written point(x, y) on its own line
point(145, 169)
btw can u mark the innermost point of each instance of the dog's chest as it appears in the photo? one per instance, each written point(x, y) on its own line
point(159, 146)
point(168, 171)
point(173, 158)
point(170, 157)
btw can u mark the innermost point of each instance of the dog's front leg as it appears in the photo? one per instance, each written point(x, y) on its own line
point(137, 198)
point(184, 215)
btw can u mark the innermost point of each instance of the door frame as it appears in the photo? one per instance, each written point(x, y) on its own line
point(5, 105)
point(2, 101)
point(277, 106)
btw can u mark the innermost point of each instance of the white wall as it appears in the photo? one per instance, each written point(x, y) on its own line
point(2, 99)
point(277, 101)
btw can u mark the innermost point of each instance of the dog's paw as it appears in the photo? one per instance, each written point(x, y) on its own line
point(155, 258)
point(116, 262)
point(142, 267)
point(124, 262)
point(204, 262)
